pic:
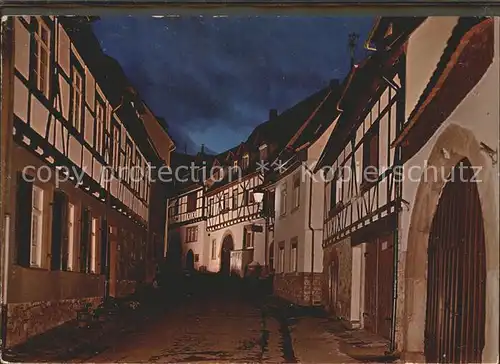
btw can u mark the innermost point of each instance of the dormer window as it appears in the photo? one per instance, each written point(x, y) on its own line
point(245, 161)
point(388, 32)
point(263, 152)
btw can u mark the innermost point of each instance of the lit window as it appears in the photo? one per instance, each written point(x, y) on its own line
point(191, 234)
point(71, 235)
point(77, 97)
point(36, 227)
point(42, 59)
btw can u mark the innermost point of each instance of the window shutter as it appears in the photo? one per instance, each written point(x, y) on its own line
point(104, 245)
point(23, 220)
point(59, 249)
point(84, 241)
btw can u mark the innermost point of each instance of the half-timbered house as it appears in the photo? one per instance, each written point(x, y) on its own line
point(298, 222)
point(187, 214)
point(77, 218)
point(409, 246)
point(361, 195)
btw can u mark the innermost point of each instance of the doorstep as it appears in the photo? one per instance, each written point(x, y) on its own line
point(361, 344)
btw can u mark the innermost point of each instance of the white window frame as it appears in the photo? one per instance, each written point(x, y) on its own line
point(36, 242)
point(245, 161)
point(249, 239)
point(294, 242)
point(77, 99)
point(263, 152)
point(42, 70)
point(93, 245)
point(100, 118)
point(281, 259)
point(71, 235)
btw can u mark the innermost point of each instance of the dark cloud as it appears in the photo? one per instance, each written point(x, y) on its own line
point(214, 79)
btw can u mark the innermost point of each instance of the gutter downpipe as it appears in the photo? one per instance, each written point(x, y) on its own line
point(312, 234)
point(398, 166)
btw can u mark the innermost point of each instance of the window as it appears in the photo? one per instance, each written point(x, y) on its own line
point(271, 257)
point(248, 197)
point(249, 243)
point(296, 190)
point(42, 59)
point(71, 236)
point(293, 255)
point(214, 249)
point(263, 152)
point(192, 234)
point(246, 161)
point(191, 202)
point(281, 258)
point(93, 246)
point(370, 156)
point(128, 160)
point(235, 199)
point(115, 144)
point(36, 227)
point(196, 258)
point(235, 164)
point(283, 200)
point(77, 97)
point(225, 202)
point(99, 127)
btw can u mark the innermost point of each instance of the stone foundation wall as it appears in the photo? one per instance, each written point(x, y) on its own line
point(296, 288)
point(28, 319)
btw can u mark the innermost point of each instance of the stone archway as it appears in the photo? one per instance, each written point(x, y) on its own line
point(225, 254)
point(459, 143)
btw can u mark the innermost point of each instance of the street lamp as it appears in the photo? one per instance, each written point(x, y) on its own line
point(258, 195)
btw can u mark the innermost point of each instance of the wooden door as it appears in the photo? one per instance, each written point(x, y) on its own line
point(371, 272)
point(385, 281)
point(456, 283)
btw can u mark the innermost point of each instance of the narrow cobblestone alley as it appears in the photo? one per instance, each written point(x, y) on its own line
point(212, 322)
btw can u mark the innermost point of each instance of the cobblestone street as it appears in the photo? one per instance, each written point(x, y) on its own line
point(216, 323)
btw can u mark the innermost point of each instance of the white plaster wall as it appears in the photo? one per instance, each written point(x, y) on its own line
point(198, 247)
point(479, 114)
point(425, 47)
point(236, 231)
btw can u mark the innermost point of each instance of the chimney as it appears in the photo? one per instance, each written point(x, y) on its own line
point(334, 83)
point(273, 114)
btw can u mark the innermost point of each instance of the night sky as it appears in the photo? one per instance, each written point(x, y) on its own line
point(215, 78)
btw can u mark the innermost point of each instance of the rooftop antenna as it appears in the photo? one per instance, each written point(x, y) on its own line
point(353, 44)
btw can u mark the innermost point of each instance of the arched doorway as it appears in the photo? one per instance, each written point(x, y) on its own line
point(190, 260)
point(225, 256)
point(333, 281)
point(456, 284)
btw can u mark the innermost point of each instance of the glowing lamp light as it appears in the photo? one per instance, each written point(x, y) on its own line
point(258, 196)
